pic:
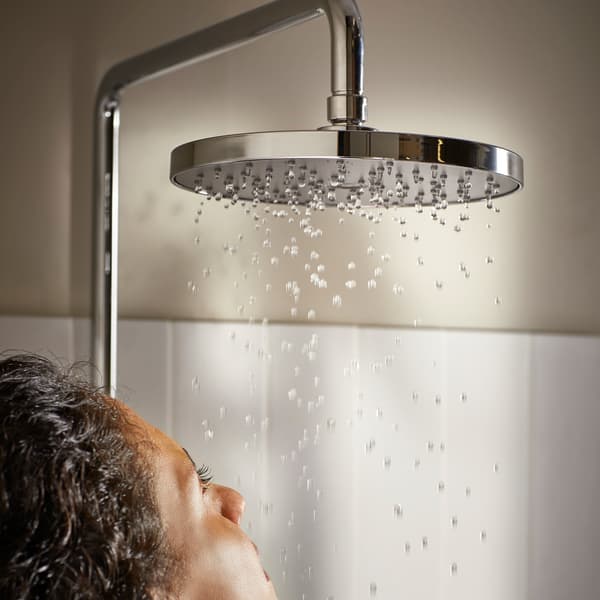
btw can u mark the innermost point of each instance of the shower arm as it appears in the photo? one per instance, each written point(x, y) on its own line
point(346, 107)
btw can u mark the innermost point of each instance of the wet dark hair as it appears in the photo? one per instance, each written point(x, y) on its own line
point(78, 515)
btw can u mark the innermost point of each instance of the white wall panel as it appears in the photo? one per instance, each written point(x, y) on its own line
point(311, 534)
point(487, 433)
point(47, 336)
point(565, 474)
point(144, 370)
point(218, 405)
point(399, 464)
point(325, 429)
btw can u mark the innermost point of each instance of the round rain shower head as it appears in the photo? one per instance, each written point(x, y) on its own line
point(345, 167)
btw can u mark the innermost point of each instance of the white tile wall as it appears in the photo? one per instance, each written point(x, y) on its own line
point(326, 429)
point(144, 363)
point(565, 474)
point(488, 451)
point(49, 337)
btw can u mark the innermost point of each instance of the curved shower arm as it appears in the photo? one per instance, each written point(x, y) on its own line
point(347, 49)
point(345, 107)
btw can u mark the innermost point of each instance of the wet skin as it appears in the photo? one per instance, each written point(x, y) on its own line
point(219, 560)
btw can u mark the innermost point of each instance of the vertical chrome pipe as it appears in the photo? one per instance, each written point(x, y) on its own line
point(106, 241)
point(345, 107)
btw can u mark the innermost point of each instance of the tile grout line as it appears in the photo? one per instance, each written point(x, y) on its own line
point(531, 401)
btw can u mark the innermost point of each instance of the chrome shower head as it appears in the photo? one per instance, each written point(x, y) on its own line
point(345, 167)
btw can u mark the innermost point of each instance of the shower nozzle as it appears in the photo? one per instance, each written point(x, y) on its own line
point(347, 168)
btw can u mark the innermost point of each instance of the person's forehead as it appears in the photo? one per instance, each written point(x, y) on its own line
point(162, 443)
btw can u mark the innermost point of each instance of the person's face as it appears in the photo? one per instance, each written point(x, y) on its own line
point(219, 561)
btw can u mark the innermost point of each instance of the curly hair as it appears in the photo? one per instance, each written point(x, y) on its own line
point(78, 515)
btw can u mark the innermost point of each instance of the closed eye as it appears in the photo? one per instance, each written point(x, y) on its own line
point(204, 474)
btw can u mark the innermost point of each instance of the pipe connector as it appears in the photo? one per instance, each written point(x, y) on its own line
point(347, 109)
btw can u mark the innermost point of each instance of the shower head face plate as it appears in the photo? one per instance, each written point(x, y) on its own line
point(345, 168)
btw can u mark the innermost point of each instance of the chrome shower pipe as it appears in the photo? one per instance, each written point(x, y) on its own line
point(345, 107)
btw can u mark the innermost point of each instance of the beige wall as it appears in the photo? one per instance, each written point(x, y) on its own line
point(522, 76)
point(35, 159)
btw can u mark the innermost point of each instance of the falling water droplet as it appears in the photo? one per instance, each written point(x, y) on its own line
point(336, 301)
point(373, 588)
point(398, 511)
point(454, 568)
point(397, 289)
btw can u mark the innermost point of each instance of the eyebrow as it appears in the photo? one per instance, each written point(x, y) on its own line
point(191, 459)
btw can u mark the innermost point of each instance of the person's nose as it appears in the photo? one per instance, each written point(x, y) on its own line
point(229, 502)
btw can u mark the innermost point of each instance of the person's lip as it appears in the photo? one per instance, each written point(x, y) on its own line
point(256, 548)
point(266, 575)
